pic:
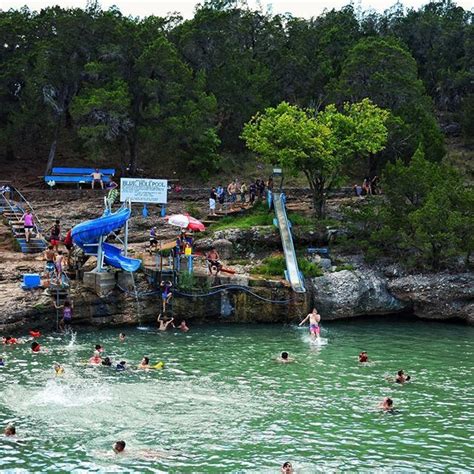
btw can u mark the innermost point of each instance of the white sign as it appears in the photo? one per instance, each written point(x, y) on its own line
point(154, 191)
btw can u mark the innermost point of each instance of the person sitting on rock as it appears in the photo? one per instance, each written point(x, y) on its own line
point(213, 261)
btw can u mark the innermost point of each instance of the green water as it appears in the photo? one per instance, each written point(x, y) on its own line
point(223, 404)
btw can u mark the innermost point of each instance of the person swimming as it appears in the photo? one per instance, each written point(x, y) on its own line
point(107, 362)
point(34, 333)
point(2, 363)
point(122, 337)
point(386, 404)
point(35, 347)
point(363, 357)
point(401, 377)
point(58, 369)
point(314, 320)
point(95, 359)
point(183, 326)
point(119, 446)
point(9, 340)
point(287, 468)
point(285, 358)
point(10, 430)
point(145, 363)
point(99, 348)
point(120, 365)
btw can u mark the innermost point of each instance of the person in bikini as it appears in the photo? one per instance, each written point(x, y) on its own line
point(314, 320)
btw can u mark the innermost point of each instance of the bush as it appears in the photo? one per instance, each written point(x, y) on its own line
point(276, 266)
point(193, 210)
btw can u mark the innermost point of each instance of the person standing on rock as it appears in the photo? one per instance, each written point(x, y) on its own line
point(314, 320)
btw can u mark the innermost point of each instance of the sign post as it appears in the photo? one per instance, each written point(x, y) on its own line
point(142, 190)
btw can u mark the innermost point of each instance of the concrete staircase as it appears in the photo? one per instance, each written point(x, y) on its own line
point(12, 212)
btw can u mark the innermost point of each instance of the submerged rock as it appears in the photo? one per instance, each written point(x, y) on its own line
point(347, 294)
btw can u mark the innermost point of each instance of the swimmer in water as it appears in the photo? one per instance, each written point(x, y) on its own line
point(10, 430)
point(401, 377)
point(2, 363)
point(386, 404)
point(163, 324)
point(9, 340)
point(107, 362)
point(287, 468)
point(34, 333)
point(35, 347)
point(119, 447)
point(285, 358)
point(314, 320)
point(145, 363)
point(121, 365)
point(99, 348)
point(58, 369)
point(363, 357)
point(183, 326)
point(95, 359)
point(122, 337)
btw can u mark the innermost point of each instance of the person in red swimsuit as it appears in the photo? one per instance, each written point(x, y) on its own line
point(363, 357)
point(35, 347)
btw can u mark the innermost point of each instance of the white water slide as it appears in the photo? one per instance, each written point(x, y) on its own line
point(293, 274)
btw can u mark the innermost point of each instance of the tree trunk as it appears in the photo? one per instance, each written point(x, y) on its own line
point(132, 146)
point(318, 196)
point(52, 149)
point(372, 171)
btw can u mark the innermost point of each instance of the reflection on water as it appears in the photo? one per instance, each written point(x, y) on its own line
point(223, 404)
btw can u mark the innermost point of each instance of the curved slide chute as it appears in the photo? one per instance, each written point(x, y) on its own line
point(87, 235)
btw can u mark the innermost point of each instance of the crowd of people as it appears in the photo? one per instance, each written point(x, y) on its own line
point(238, 193)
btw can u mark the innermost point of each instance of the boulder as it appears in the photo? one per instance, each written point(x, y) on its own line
point(223, 247)
point(347, 294)
point(438, 295)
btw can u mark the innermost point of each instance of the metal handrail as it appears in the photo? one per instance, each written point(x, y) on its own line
point(37, 221)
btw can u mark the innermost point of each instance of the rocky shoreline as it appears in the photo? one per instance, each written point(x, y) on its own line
point(362, 290)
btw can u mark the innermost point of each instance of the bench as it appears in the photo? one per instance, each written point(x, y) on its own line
point(77, 175)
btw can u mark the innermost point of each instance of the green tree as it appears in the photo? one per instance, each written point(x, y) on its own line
point(141, 92)
point(386, 73)
point(424, 218)
point(317, 144)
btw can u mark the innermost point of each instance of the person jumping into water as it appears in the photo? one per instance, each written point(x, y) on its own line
point(314, 320)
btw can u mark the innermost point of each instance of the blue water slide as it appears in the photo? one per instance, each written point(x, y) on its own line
point(88, 233)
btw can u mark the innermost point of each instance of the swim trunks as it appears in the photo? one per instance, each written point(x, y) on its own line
point(314, 328)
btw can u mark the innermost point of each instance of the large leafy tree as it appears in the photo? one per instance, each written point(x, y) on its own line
point(385, 72)
point(317, 144)
point(139, 90)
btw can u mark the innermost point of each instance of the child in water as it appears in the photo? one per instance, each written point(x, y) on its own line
point(35, 347)
point(314, 320)
point(95, 359)
point(122, 337)
point(58, 369)
point(119, 447)
point(285, 358)
point(386, 404)
point(145, 363)
point(121, 365)
point(401, 377)
point(363, 357)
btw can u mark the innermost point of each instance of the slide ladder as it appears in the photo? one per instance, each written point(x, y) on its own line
point(292, 274)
